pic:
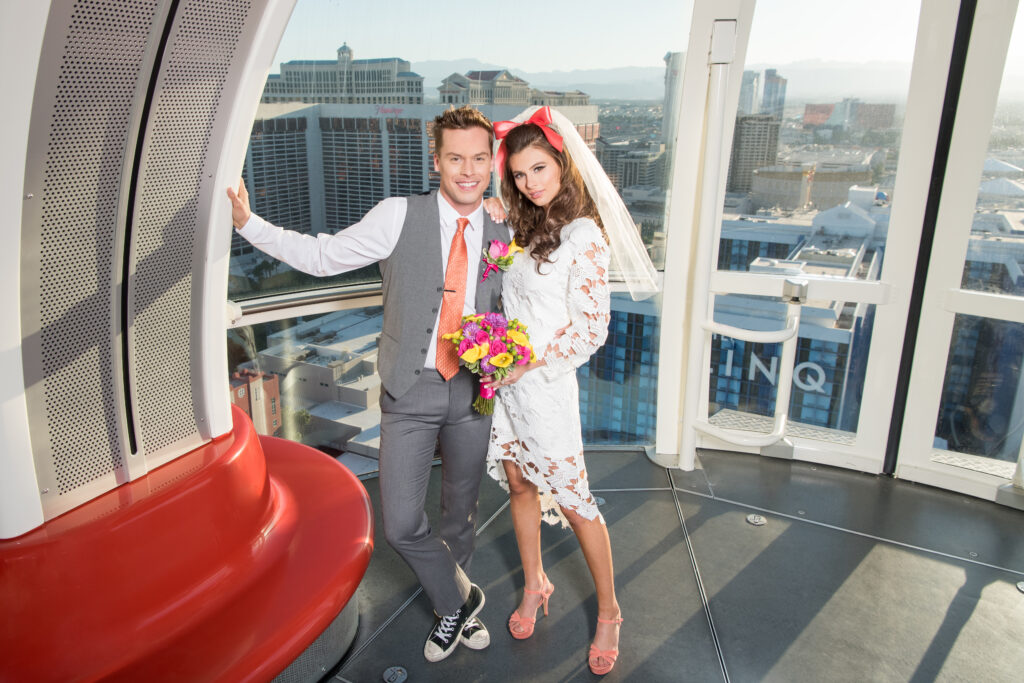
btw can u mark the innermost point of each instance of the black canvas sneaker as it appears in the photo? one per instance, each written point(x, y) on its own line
point(445, 635)
point(475, 635)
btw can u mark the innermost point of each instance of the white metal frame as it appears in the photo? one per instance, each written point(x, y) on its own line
point(22, 26)
point(210, 371)
point(697, 135)
point(943, 298)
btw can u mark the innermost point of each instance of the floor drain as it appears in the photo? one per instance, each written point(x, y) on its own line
point(599, 500)
point(1020, 586)
point(756, 520)
point(395, 674)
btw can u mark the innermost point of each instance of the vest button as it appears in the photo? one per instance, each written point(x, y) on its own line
point(423, 350)
point(430, 330)
point(433, 310)
point(417, 372)
point(440, 288)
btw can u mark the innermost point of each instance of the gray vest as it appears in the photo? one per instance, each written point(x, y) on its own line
point(412, 280)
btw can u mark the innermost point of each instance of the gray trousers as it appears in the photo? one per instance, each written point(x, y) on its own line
point(409, 429)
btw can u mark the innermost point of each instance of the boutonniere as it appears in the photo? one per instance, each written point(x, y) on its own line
point(499, 255)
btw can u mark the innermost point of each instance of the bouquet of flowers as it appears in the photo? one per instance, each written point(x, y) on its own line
point(490, 345)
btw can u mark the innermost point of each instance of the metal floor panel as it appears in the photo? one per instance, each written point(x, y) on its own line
point(853, 577)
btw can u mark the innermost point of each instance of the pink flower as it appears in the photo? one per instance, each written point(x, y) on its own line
point(464, 346)
point(497, 249)
point(500, 332)
point(481, 337)
point(525, 355)
point(497, 347)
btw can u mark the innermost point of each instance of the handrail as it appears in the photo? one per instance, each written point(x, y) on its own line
point(306, 297)
point(756, 336)
point(788, 337)
point(820, 287)
point(302, 302)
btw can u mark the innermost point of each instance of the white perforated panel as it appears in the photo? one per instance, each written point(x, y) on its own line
point(196, 63)
point(82, 130)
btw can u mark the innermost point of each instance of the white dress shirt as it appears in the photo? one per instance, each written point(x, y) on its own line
point(370, 240)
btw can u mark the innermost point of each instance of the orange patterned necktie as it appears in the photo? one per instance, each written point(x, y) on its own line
point(451, 306)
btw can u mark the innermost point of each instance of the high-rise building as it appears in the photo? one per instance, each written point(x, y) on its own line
point(801, 185)
point(387, 80)
point(259, 395)
point(642, 167)
point(750, 93)
point(850, 113)
point(755, 145)
point(278, 156)
point(674, 62)
point(321, 167)
point(773, 101)
point(618, 385)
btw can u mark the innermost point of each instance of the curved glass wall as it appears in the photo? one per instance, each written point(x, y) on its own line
point(809, 190)
point(343, 125)
point(980, 421)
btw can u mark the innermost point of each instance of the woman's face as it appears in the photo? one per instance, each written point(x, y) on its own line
point(537, 174)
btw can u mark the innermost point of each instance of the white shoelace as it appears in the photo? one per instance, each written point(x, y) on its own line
point(447, 626)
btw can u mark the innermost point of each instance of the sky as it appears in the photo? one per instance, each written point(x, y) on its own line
point(562, 35)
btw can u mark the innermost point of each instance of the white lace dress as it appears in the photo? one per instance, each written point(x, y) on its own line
point(537, 420)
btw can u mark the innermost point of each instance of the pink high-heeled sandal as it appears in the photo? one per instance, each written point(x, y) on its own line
point(525, 624)
point(608, 655)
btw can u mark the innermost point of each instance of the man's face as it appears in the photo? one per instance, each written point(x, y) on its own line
point(464, 162)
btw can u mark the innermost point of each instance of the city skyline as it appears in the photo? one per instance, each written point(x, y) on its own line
point(790, 35)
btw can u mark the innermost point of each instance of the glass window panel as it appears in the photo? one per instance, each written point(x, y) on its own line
point(318, 377)
point(828, 368)
point(342, 126)
point(981, 412)
point(809, 186)
point(995, 248)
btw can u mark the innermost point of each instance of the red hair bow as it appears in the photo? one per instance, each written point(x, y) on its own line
point(541, 118)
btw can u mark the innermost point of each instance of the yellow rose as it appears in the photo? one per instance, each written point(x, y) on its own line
point(502, 360)
point(476, 353)
point(456, 335)
point(518, 337)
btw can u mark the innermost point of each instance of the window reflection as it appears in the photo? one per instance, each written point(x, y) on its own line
point(315, 379)
point(982, 408)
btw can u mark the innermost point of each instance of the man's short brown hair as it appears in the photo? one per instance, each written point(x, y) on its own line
point(460, 119)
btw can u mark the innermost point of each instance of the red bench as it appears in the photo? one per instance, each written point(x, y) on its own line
point(226, 563)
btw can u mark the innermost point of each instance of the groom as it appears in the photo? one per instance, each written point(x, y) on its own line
point(428, 247)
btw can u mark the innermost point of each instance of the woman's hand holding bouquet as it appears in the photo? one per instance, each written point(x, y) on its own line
point(491, 346)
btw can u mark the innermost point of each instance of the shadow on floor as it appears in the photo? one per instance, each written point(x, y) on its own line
point(853, 578)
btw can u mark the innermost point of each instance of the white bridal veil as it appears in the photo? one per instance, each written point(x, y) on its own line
point(629, 259)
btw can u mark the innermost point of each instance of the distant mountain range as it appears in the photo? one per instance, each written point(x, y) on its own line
point(809, 80)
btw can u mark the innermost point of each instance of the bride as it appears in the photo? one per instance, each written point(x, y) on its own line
point(560, 204)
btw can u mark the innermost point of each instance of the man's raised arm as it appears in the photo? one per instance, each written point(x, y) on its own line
point(370, 240)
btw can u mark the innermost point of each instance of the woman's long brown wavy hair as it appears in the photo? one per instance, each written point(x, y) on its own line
point(539, 228)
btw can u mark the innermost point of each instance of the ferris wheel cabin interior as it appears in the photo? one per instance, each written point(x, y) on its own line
point(807, 446)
